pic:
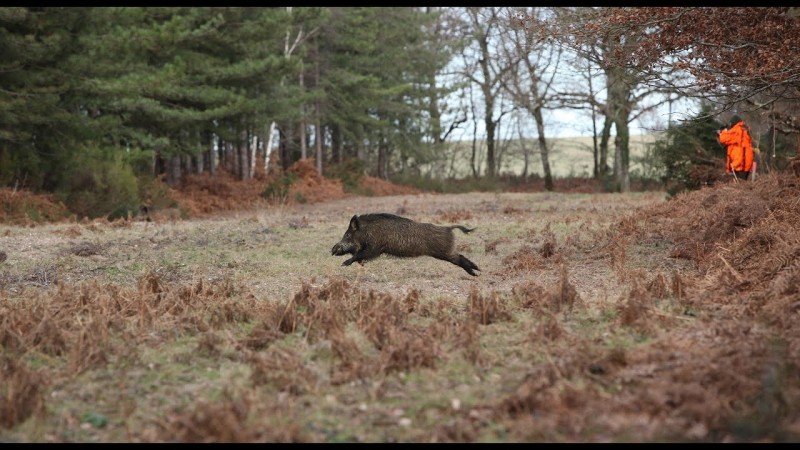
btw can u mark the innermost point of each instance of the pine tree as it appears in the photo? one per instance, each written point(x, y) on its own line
point(37, 128)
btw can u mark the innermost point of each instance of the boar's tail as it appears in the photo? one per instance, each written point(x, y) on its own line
point(462, 228)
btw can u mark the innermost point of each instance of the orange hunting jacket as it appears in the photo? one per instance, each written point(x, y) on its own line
point(740, 148)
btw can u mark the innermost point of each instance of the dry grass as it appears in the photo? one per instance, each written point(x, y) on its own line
point(242, 328)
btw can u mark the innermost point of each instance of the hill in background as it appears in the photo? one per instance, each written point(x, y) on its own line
point(569, 157)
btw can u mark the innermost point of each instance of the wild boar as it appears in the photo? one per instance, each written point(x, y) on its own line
point(371, 235)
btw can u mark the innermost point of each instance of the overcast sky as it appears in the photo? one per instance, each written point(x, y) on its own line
point(565, 122)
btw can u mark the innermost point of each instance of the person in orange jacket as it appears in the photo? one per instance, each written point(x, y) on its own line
point(740, 148)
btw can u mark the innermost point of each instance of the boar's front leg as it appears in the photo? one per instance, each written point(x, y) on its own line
point(363, 255)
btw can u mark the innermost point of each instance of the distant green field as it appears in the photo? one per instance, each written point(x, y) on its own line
point(568, 157)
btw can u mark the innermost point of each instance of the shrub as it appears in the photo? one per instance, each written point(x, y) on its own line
point(277, 189)
point(349, 172)
point(452, 186)
point(691, 153)
point(96, 185)
point(154, 193)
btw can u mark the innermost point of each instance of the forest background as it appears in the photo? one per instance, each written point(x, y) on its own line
point(113, 111)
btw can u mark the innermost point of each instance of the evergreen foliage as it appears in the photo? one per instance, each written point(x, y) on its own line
point(93, 101)
point(691, 153)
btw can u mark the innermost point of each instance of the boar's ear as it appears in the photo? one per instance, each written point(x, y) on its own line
point(354, 225)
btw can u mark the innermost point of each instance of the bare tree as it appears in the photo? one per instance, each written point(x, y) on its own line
point(484, 69)
point(627, 94)
point(531, 81)
point(475, 163)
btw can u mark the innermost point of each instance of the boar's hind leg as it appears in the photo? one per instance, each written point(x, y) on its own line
point(468, 265)
point(362, 256)
point(462, 262)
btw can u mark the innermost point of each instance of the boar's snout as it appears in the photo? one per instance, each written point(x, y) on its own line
point(338, 249)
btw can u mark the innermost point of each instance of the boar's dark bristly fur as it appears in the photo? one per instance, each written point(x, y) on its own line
point(371, 235)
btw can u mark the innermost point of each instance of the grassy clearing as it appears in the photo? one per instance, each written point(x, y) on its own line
point(569, 157)
point(243, 328)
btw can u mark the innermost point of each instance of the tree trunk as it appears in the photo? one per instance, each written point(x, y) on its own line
point(236, 158)
point(200, 160)
point(268, 147)
point(383, 164)
point(336, 145)
point(319, 132)
point(596, 166)
point(548, 177)
point(525, 152)
point(489, 98)
point(475, 166)
point(622, 155)
point(318, 138)
point(490, 128)
point(243, 171)
point(174, 170)
point(302, 130)
point(213, 155)
point(361, 151)
point(605, 137)
point(187, 165)
point(251, 160)
point(208, 157)
point(287, 145)
point(619, 105)
point(229, 156)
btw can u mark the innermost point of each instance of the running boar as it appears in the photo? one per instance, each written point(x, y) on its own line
point(371, 235)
